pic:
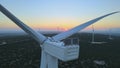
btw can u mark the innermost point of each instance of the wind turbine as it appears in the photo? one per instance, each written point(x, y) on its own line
point(93, 37)
point(109, 35)
point(93, 34)
point(52, 47)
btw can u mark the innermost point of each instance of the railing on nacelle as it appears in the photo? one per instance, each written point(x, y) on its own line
point(71, 41)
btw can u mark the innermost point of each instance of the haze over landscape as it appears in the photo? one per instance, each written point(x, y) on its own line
point(60, 15)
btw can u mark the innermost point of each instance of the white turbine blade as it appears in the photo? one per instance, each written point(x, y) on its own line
point(37, 36)
point(72, 31)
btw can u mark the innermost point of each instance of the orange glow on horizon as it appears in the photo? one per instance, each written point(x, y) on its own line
point(62, 24)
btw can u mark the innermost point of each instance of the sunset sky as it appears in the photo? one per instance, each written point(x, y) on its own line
point(60, 14)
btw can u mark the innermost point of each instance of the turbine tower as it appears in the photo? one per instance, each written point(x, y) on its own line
point(109, 34)
point(93, 37)
point(52, 47)
point(93, 34)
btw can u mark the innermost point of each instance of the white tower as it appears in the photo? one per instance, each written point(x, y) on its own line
point(109, 35)
point(52, 47)
point(93, 34)
point(93, 37)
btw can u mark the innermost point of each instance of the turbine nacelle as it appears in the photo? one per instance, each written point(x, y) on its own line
point(60, 50)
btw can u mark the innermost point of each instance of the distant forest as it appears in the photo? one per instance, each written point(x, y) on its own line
point(25, 52)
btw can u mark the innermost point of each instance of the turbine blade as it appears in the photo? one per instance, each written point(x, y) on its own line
point(37, 36)
point(74, 30)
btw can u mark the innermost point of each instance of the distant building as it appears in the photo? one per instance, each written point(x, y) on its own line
point(99, 63)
